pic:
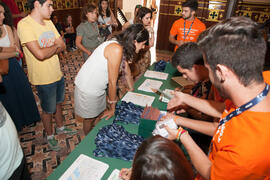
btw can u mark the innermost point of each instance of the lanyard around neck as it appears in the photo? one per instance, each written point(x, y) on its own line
point(246, 106)
point(242, 109)
point(188, 29)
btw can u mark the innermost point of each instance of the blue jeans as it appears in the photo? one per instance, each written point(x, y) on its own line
point(51, 94)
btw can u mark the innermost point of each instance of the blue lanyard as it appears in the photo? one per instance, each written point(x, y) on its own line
point(242, 109)
point(188, 29)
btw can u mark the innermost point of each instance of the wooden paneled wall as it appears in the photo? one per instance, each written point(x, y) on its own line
point(63, 8)
point(257, 11)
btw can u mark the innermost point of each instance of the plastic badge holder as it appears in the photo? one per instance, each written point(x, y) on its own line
point(160, 127)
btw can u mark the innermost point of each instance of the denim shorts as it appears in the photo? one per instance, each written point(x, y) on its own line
point(51, 94)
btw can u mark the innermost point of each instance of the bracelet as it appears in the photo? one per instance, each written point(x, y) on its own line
point(112, 102)
point(17, 54)
point(179, 133)
point(174, 119)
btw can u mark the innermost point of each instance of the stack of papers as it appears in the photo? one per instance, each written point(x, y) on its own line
point(139, 99)
point(148, 84)
point(156, 74)
point(85, 168)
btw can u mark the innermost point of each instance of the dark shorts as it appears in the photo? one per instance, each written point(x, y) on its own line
point(51, 94)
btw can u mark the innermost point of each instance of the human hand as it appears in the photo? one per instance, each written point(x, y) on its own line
point(51, 42)
point(125, 173)
point(108, 114)
point(168, 116)
point(172, 133)
point(177, 100)
point(149, 29)
point(179, 42)
point(89, 53)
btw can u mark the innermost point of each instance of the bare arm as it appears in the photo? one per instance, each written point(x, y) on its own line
point(174, 41)
point(6, 55)
point(197, 156)
point(8, 52)
point(129, 77)
point(125, 26)
point(200, 161)
point(80, 46)
point(113, 53)
point(204, 127)
point(151, 35)
point(209, 107)
point(114, 22)
point(47, 52)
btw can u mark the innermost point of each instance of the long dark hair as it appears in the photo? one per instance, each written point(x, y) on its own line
point(126, 39)
point(108, 12)
point(8, 16)
point(141, 13)
point(159, 158)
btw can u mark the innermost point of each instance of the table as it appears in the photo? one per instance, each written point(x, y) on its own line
point(87, 145)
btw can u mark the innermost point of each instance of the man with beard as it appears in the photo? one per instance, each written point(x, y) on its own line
point(234, 52)
point(187, 28)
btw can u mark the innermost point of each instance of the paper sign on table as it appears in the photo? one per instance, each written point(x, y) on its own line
point(156, 74)
point(85, 168)
point(115, 175)
point(139, 99)
point(182, 81)
point(148, 84)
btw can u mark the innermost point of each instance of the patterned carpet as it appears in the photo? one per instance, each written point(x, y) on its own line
point(40, 160)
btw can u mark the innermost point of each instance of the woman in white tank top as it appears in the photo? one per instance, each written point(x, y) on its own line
point(101, 71)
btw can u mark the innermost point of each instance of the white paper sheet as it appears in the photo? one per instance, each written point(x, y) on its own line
point(148, 84)
point(115, 175)
point(139, 99)
point(156, 74)
point(85, 168)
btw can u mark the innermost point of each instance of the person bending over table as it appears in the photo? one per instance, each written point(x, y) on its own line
point(234, 53)
point(100, 72)
point(158, 158)
point(201, 102)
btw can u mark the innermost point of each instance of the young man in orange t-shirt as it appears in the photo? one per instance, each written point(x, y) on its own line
point(187, 28)
point(234, 52)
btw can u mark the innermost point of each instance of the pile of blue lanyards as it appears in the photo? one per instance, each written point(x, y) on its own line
point(128, 113)
point(115, 142)
point(160, 65)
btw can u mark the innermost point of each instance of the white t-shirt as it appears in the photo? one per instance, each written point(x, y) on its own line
point(10, 149)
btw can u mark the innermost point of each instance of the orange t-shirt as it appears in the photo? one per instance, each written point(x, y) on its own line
point(241, 146)
point(192, 35)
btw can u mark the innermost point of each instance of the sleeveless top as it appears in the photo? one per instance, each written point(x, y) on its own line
point(105, 21)
point(5, 42)
point(93, 75)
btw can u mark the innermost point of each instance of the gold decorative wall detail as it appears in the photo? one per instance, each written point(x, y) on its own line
point(57, 4)
point(213, 15)
point(263, 17)
point(178, 10)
